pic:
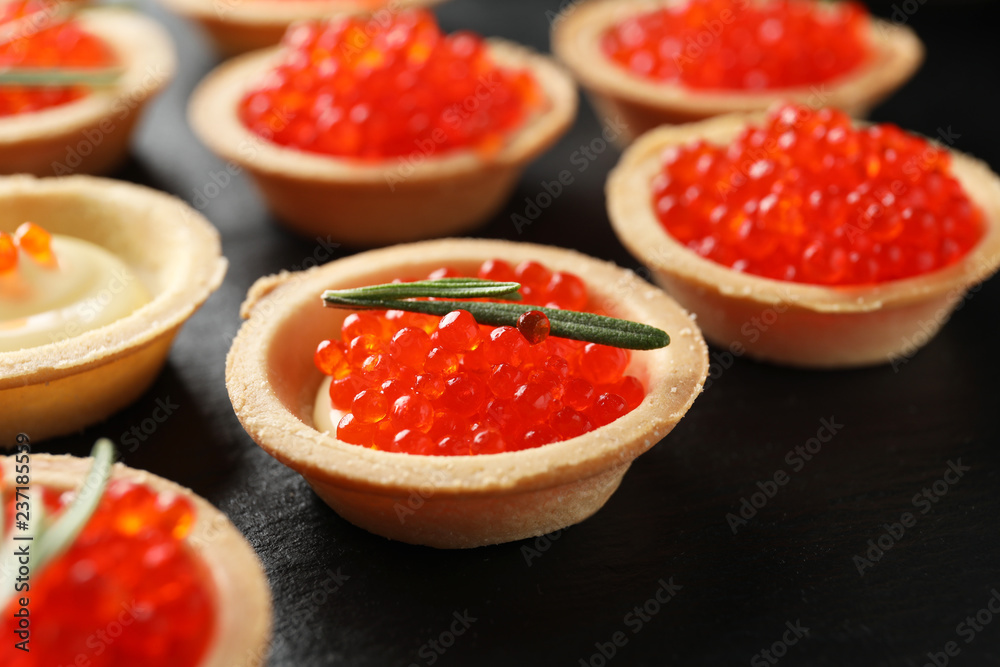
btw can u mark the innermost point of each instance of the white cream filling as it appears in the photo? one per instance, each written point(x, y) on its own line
point(89, 288)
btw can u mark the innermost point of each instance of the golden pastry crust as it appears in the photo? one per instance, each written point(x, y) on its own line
point(243, 599)
point(814, 326)
point(391, 201)
point(460, 501)
point(66, 385)
point(238, 26)
point(643, 104)
point(91, 135)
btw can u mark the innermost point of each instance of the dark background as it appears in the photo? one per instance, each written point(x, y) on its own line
point(792, 562)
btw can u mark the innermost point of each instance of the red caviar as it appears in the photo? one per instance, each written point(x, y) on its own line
point(44, 40)
point(32, 240)
point(742, 45)
point(127, 592)
point(808, 198)
point(373, 89)
point(451, 386)
point(8, 253)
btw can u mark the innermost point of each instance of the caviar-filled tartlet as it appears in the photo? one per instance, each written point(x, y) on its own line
point(803, 238)
point(412, 135)
point(73, 85)
point(96, 279)
point(656, 62)
point(238, 26)
point(116, 566)
point(452, 430)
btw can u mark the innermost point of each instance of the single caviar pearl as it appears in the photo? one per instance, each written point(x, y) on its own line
point(376, 369)
point(410, 346)
point(566, 291)
point(354, 431)
point(569, 423)
point(506, 345)
point(631, 389)
point(35, 242)
point(363, 346)
point(578, 394)
point(496, 270)
point(487, 441)
point(414, 442)
point(457, 331)
point(8, 253)
point(534, 326)
point(412, 411)
point(533, 276)
point(330, 358)
point(370, 406)
point(441, 361)
point(504, 380)
point(429, 385)
point(601, 364)
point(533, 401)
point(464, 395)
point(538, 436)
point(607, 408)
point(360, 324)
point(343, 391)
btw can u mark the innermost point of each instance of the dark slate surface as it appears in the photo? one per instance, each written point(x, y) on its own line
point(345, 597)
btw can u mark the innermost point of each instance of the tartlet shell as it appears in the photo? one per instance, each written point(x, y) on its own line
point(238, 26)
point(813, 325)
point(91, 135)
point(243, 598)
point(464, 501)
point(641, 104)
point(399, 199)
point(61, 387)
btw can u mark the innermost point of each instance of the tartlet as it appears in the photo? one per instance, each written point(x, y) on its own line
point(243, 599)
point(643, 104)
point(91, 135)
point(806, 325)
point(451, 501)
point(238, 26)
point(64, 386)
point(367, 204)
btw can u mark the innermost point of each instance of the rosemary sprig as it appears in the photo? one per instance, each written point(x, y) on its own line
point(571, 324)
point(444, 288)
point(59, 77)
point(58, 537)
point(48, 542)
